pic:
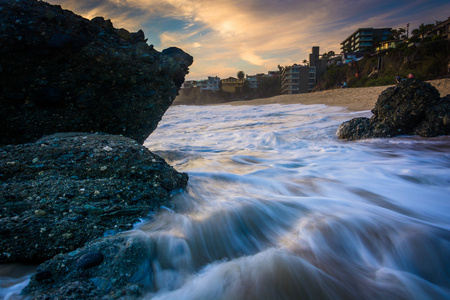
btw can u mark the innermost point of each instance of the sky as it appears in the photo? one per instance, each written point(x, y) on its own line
point(254, 36)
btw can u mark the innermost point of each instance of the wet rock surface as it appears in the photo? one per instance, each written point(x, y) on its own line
point(412, 107)
point(115, 267)
point(68, 189)
point(60, 72)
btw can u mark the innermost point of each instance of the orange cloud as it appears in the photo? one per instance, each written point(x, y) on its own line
point(254, 35)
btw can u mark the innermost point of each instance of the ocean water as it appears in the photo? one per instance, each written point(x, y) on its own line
point(278, 208)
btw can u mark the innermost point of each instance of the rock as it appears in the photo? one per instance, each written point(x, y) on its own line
point(412, 107)
point(56, 195)
point(355, 127)
point(101, 22)
point(89, 260)
point(111, 267)
point(139, 37)
point(63, 73)
point(183, 59)
point(42, 275)
point(61, 41)
point(179, 55)
point(124, 34)
point(40, 213)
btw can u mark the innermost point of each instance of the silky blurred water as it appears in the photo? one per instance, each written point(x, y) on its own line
point(278, 208)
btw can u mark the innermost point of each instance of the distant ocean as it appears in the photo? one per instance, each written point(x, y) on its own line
point(278, 208)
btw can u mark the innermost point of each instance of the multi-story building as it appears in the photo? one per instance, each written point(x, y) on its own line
point(273, 74)
point(364, 39)
point(299, 79)
point(253, 80)
point(188, 84)
point(317, 67)
point(210, 84)
point(442, 29)
point(295, 80)
point(232, 85)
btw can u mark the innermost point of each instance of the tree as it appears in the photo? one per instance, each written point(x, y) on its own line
point(398, 34)
point(240, 75)
point(305, 61)
point(246, 89)
point(422, 30)
point(269, 86)
point(328, 54)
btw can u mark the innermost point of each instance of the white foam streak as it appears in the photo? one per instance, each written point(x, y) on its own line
point(278, 208)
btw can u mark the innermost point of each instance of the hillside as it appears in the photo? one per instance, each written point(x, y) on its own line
point(426, 62)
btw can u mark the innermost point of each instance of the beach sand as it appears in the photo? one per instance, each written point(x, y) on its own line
point(356, 99)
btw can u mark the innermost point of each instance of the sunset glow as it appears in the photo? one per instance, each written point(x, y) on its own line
point(254, 35)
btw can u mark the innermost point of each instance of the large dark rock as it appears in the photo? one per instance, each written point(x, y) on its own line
point(412, 107)
point(60, 72)
point(68, 189)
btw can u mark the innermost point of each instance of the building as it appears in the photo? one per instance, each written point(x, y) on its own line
point(317, 67)
point(210, 84)
point(188, 84)
point(386, 45)
point(253, 80)
point(295, 79)
point(273, 74)
point(352, 56)
point(232, 85)
point(365, 39)
point(442, 29)
point(299, 79)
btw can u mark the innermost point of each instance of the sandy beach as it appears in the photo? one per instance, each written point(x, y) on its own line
point(356, 99)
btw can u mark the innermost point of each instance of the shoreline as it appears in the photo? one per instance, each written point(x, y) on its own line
point(355, 99)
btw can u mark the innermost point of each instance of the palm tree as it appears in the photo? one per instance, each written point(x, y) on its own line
point(398, 34)
point(422, 30)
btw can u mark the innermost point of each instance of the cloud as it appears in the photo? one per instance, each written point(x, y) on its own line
point(252, 58)
point(254, 35)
